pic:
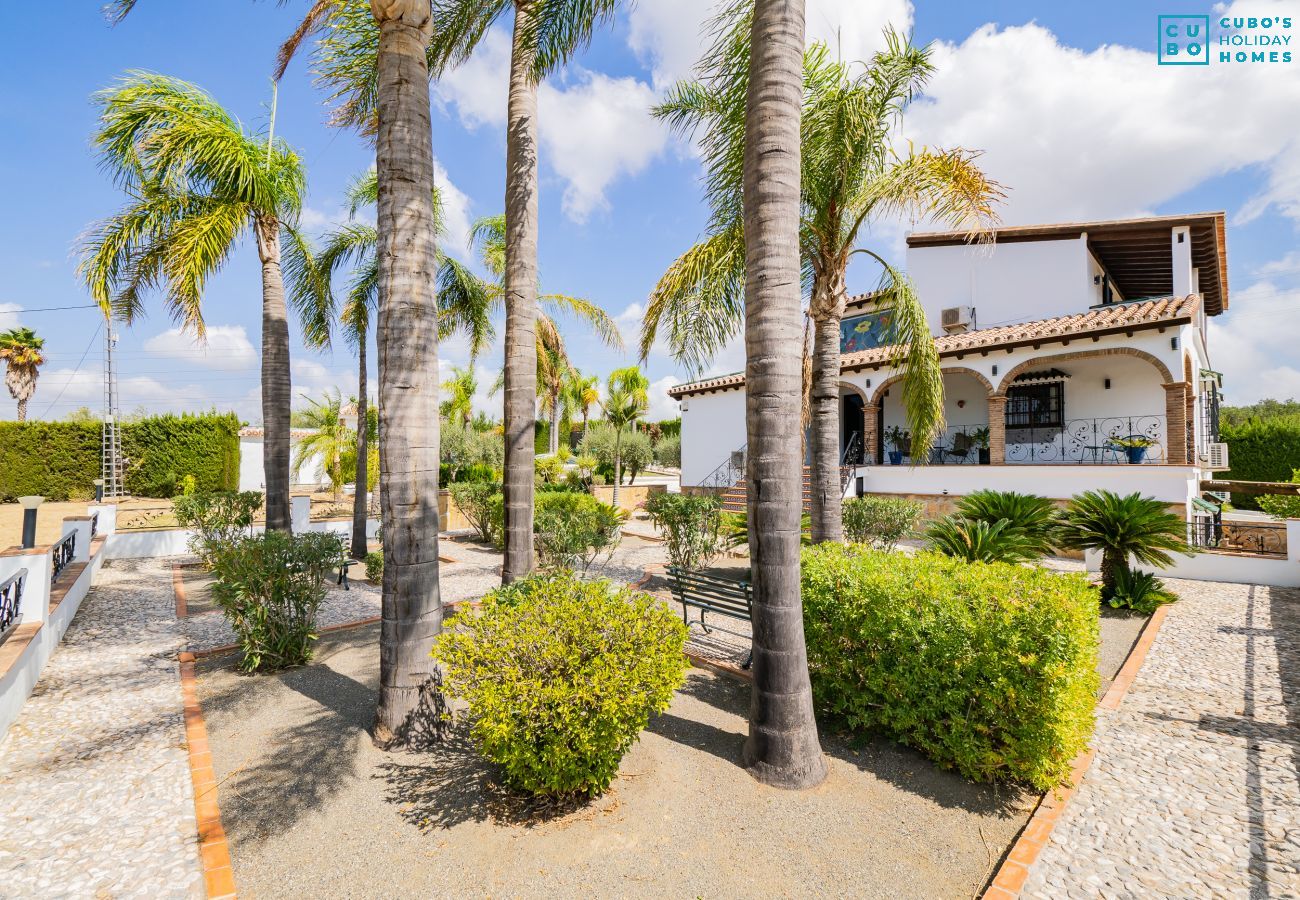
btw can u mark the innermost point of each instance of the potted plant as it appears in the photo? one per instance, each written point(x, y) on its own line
point(1134, 446)
point(980, 438)
point(900, 441)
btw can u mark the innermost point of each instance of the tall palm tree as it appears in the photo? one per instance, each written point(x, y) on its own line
point(20, 348)
point(581, 393)
point(330, 440)
point(546, 34)
point(458, 408)
point(850, 173)
point(626, 400)
point(196, 183)
point(783, 748)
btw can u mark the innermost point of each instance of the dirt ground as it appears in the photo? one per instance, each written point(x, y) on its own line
point(312, 809)
point(49, 518)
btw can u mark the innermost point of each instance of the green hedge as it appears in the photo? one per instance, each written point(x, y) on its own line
point(1261, 450)
point(987, 668)
point(61, 460)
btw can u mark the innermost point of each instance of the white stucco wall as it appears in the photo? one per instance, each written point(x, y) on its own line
point(252, 466)
point(712, 426)
point(1170, 484)
point(1012, 282)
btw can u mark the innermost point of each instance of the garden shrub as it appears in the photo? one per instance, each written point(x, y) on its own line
point(977, 540)
point(880, 521)
point(1140, 591)
point(217, 519)
point(560, 676)
point(483, 506)
point(986, 668)
point(668, 452)
point(573, 530)
point(270, 586)
point(1282, 507)
point(1034, 518)
point(1261, 450)
point(691, 525)
point(375, 566)
point(61, 460)
point(636, 453)
point(549, 469)
point(1122, 527)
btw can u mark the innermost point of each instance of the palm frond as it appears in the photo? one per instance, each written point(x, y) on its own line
point(914, 354)
point(587, 312)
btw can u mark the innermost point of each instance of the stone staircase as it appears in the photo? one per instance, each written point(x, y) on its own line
point(735, 498)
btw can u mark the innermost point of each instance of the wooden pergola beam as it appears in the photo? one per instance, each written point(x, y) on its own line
point(1285, 488)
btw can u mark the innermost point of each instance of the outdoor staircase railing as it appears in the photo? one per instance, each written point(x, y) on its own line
point(730, 472)
point(849, 460)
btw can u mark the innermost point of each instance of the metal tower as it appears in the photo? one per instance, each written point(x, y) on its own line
point(112, 471)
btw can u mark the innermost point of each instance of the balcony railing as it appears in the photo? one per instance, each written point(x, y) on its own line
point(11, 602)
point(1258, 538)
point(64, 552)
point(1115, 440)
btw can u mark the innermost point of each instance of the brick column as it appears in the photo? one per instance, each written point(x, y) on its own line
point(998, 430)
point(1176, 399)
point(870, 439)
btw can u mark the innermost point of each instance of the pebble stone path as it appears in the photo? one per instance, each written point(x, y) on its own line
point(1194, 791)
point(97, 799)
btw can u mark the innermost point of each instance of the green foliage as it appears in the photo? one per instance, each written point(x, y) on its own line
point(975, 540)
point(549, 469)
point(561, 675)
point(467, 453)
point(1140, 591)
point(270, 586)
point(217, 519)
point(986, 668)
point(735, 527)
point(668, 452)
point(375, 566)
point(1261, 450)
point(1282, 507)
point(1264, 411)
point(1033, 517)
point(670, 428)
point(483, 506)
point(691, 525)
point(1122, 527)
point(574, 530)
point(880, 521)
point(637, 453)
point(598, 443)
point(61, 460)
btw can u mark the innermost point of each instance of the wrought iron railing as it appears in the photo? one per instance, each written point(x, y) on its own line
point(849, 459)
point(11, 602)
point(63, 553)
point(961, 445)
point(94, 525)
point(730, 472)
point(1258, 538)
point(1115, 440)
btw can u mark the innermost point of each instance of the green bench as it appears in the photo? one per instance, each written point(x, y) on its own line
point(711, 594)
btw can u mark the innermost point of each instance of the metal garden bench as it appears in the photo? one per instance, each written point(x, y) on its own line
point(711, 594)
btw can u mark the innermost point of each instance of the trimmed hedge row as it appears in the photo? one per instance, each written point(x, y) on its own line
point(1261, 450)
point(61, 460)
point(987, 668)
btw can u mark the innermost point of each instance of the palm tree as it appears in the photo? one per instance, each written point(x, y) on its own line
point(546, 35)
point(581, 394)
point(330, 440)
point(783, 748)
point(1121, 527)
point(627, 397)
point(460, 388)
point(850, 173)
point(197, 183)
point(20, 348)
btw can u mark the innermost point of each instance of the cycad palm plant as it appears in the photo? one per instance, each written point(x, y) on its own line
point(979, 540)
point(196, 183)
point(1122, 527)
point(20, 348)
point(1033, 517)
point(850, 176)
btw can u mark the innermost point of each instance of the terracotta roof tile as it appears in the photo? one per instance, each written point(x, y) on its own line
point(1118, 317)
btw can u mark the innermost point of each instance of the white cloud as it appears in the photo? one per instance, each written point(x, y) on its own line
point(455, 212)
point(9, 315)
point(478, 88)
point(314, 220)
point(1254, 343)
point(661, 405)
point(226, 347)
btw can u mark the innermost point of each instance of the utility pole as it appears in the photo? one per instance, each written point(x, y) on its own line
point(111, 450)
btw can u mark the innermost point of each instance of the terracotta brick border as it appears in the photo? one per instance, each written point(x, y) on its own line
point(178, 588)
point(214, 850)
point(1010, 876)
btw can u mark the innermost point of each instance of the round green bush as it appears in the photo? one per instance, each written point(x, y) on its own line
point(987, 668)
point(561, 675)
point(375, 566)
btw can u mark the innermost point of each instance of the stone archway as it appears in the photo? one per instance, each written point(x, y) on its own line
point(1039, 361)
point(871, 411)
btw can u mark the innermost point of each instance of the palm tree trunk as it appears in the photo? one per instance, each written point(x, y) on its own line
point(555, 426)
point(361, 496)
point(827, 489)
point(783, 747)
point(277, 389)
point(521, 303)
point(618, 464)
point(408, 373)
point(22, 409)
point(1111, 561)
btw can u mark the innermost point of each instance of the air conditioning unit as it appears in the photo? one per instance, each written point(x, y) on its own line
point(956, 319)
point(1217, 457)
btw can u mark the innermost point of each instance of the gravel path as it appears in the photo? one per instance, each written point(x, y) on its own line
point(1194, 789)
point(97, 798)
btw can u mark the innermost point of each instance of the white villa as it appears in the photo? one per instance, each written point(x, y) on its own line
point(1074, 358)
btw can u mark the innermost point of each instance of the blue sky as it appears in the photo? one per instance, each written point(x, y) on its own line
point(1066, 101)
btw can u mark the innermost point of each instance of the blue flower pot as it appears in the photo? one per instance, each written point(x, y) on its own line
point(895, 457)
point(1135, 455)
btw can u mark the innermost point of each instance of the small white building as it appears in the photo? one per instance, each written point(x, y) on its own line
point(1065, 349)
point(252, 461)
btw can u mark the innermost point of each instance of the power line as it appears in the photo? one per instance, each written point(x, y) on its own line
point(51, 308)
point(75, 371)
